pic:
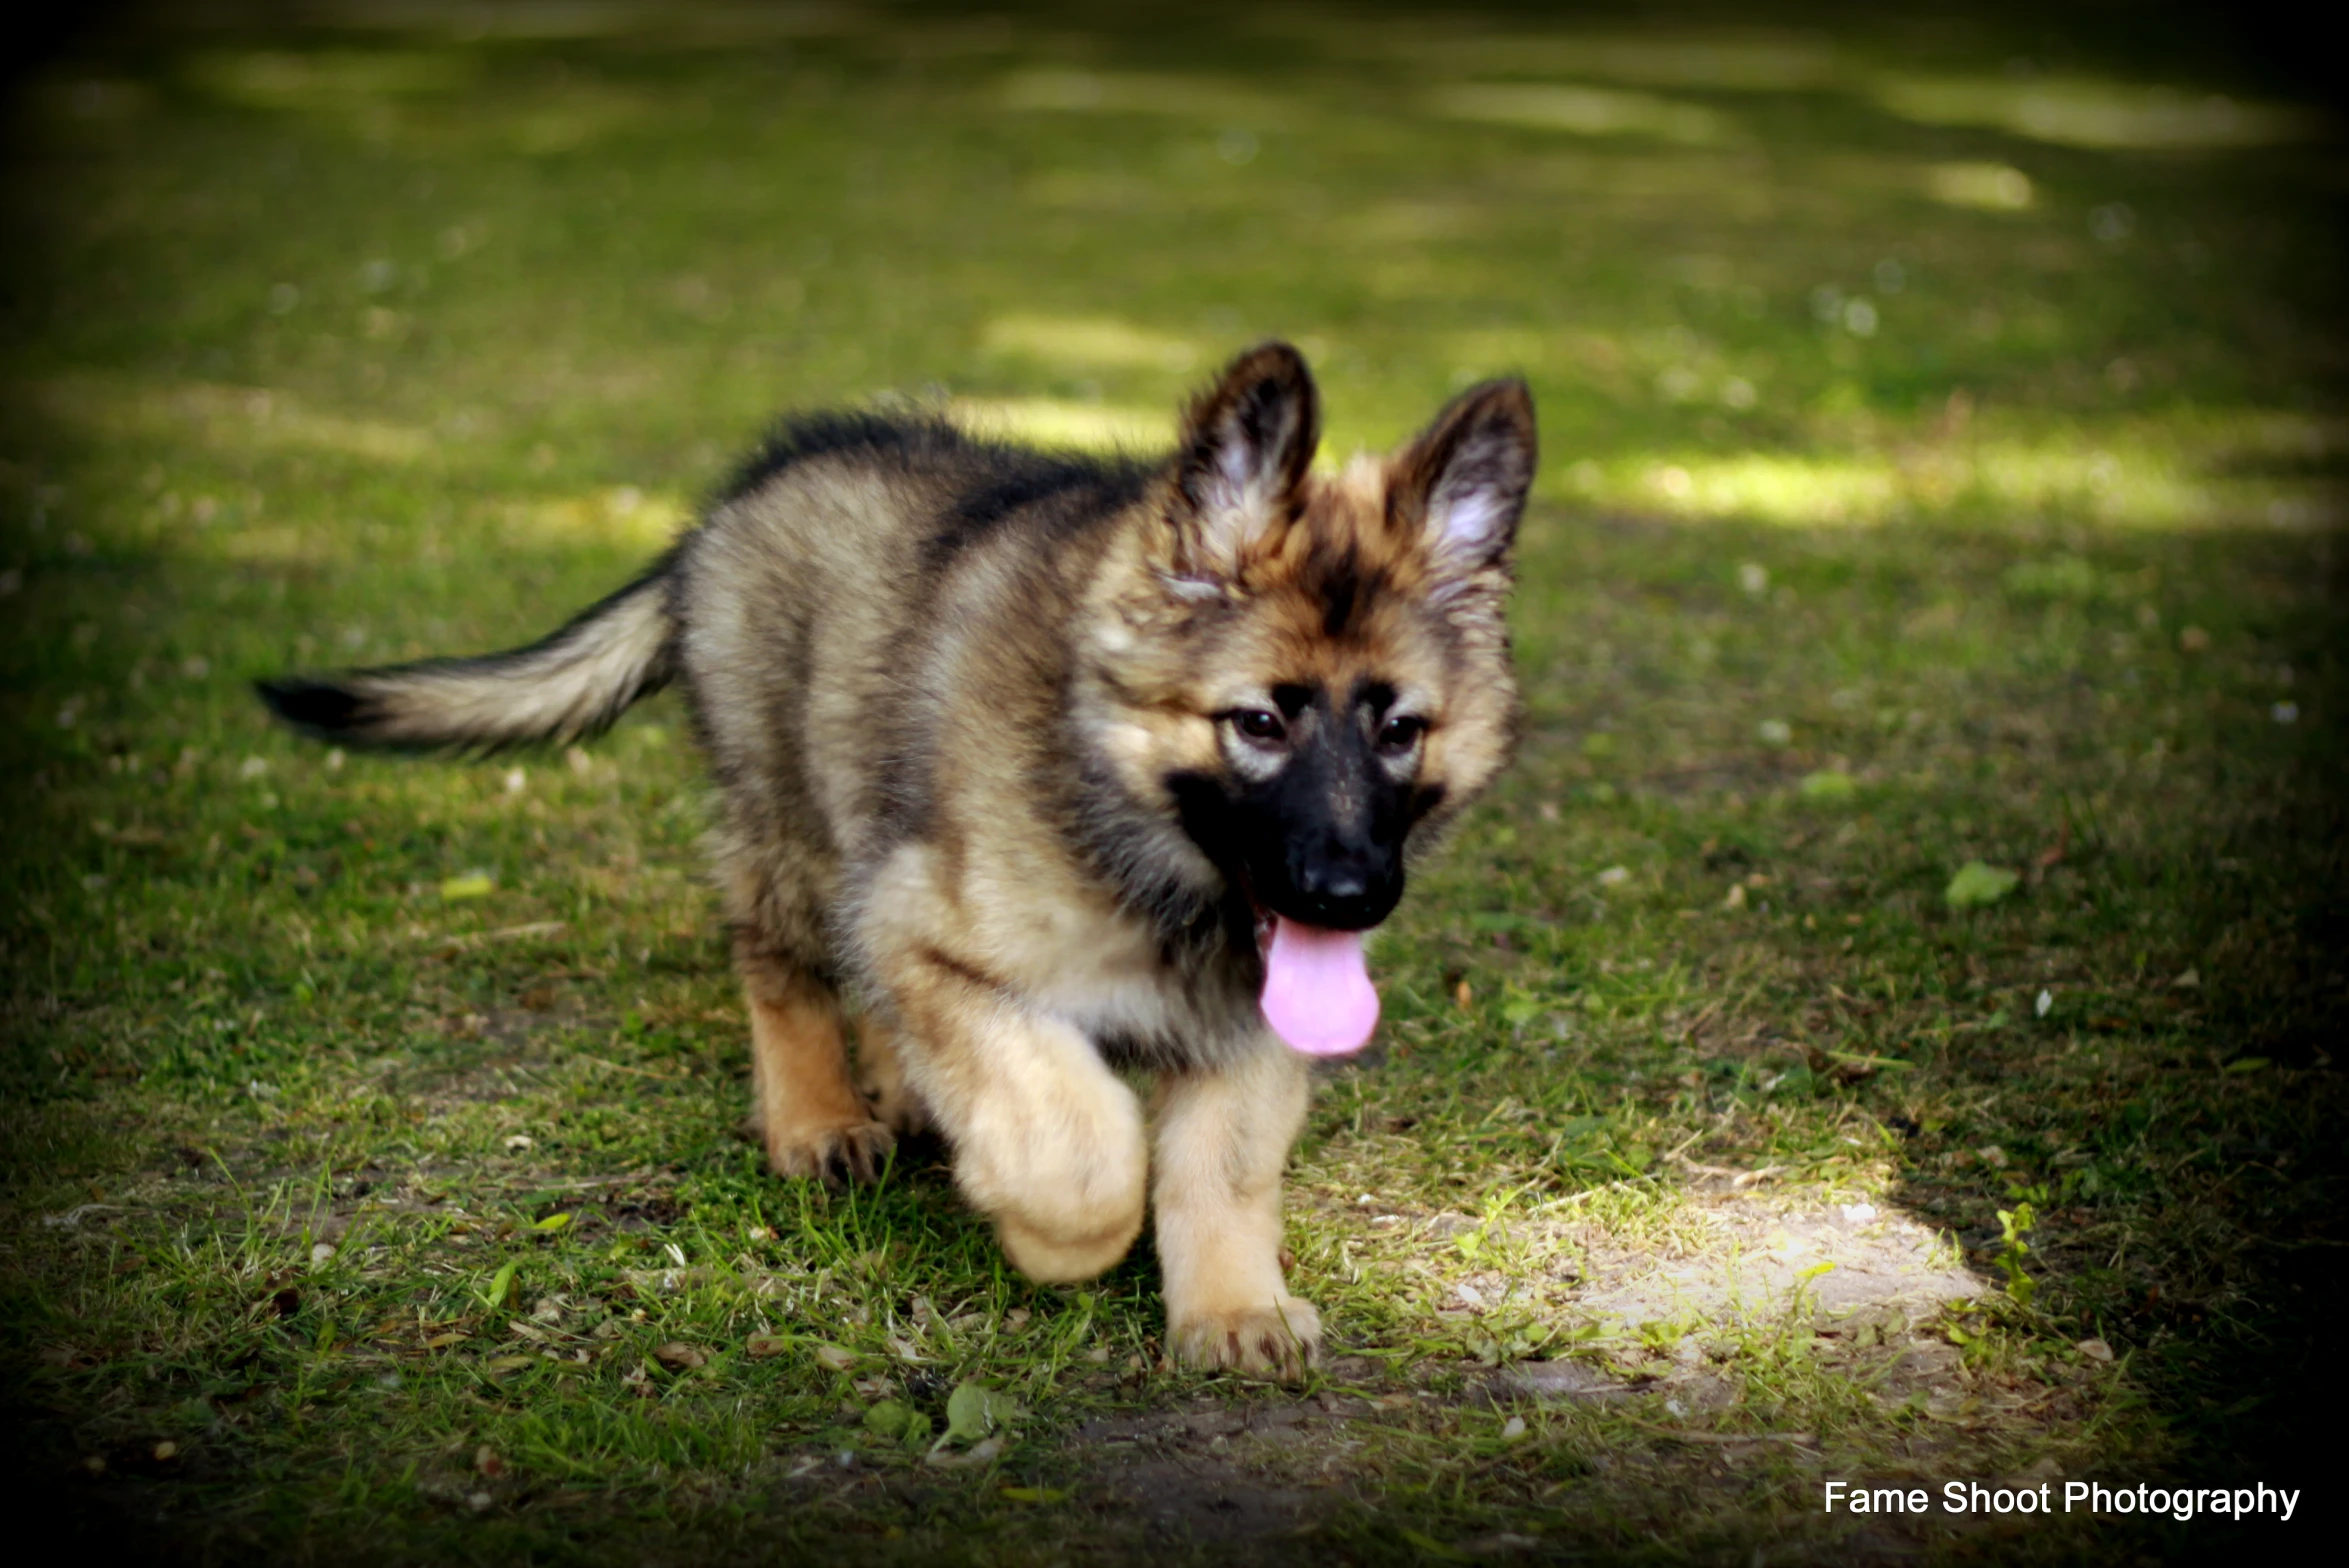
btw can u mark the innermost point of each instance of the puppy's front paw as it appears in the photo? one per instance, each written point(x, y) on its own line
point(830, 1152)
point(1279, 1339)
point(1062, 1258)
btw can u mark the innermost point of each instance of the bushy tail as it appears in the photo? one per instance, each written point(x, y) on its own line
point(563, 687)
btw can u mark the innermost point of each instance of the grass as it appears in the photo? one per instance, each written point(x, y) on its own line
point(1943, 457)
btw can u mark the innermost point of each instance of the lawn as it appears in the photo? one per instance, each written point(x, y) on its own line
point(1881, 1030)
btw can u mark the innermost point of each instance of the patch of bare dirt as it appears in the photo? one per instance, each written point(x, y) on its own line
point(1762, 1258)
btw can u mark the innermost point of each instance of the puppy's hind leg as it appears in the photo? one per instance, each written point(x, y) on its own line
point(810, 1116)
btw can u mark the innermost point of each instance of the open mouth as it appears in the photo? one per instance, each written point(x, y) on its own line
point(1317, 993)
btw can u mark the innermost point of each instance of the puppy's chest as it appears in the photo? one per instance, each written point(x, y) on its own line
point(1145, 1002)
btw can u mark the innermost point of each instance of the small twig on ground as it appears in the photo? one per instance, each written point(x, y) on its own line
point(1588, 1192)
point(622, 1067)
point(1736, 1178)
point(459, 944)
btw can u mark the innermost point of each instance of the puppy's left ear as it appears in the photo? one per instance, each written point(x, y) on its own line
point(1460, 487)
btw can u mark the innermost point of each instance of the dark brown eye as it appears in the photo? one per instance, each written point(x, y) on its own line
point(1400, 733)
point(1258, 724)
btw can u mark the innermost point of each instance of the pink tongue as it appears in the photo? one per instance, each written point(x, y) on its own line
point(1317, 992)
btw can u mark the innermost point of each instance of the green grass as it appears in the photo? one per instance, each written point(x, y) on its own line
point(1942, 464)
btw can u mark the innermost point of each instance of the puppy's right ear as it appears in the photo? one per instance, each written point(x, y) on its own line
point(1247, 444)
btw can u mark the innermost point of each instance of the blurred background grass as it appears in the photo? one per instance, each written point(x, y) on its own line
point(1946, 408)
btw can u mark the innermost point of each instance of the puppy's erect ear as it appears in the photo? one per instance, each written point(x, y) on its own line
point(1461, 486)
point(1247, 443)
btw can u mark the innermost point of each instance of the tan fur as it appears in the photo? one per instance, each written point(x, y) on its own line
point(952, 694)
point(1221, 1139)
point(880, 1078)
point(809, 1116)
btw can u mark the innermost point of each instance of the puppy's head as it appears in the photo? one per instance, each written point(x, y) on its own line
point(1310, 672)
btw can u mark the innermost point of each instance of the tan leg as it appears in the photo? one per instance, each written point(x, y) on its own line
point(1222, 1139)
point(1047, 1142)
point(880, 1074)
point(810, 1116)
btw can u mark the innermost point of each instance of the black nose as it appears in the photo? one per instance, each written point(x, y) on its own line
point(1346, 889)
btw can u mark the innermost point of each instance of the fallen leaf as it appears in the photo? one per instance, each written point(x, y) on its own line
point(487, 1462)
point(1829, 784)
point(2094, 1349)
point(974, 1411)
point(444, 1341)
point(834, 1357)
point(166, 1451)
point(509, 1363)
point(678, 1356)
point(761, 1347)
point(2188, 980)
point(1977, 884)
point(501, 1282)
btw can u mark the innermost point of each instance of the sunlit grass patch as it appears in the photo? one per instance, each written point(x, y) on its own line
point(1582, 111)
point(1993, 187)
point(2186, 471)
point(1213, 100)
point(1092, 342)
point(2083, 111)
point(1059, 422)
point(622, 517)
point(224, 418)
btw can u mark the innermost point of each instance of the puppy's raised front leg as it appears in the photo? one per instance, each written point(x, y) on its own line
point(1047, 1142)
point(1222, 1138)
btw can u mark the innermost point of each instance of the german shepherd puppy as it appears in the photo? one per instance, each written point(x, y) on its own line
point(1056, 768)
